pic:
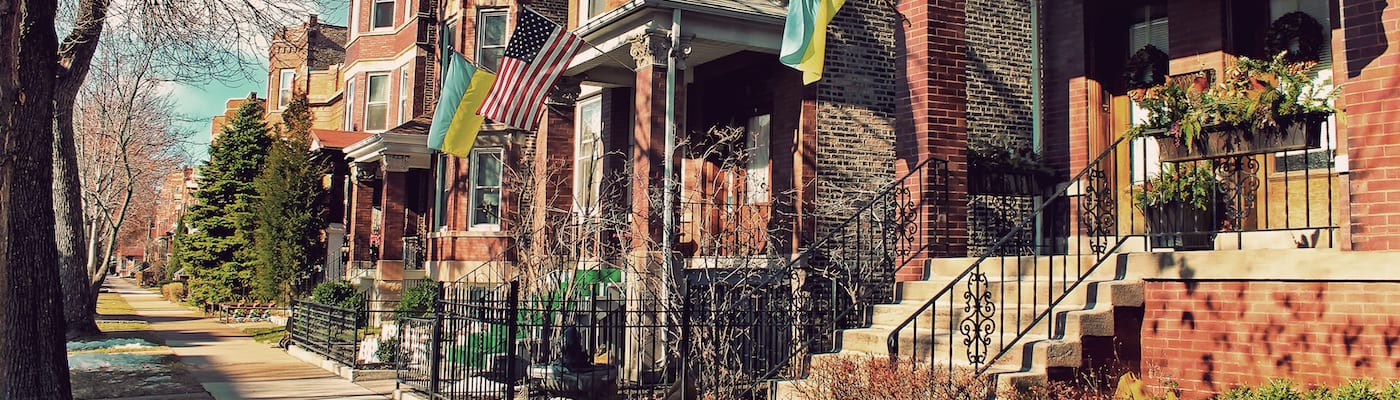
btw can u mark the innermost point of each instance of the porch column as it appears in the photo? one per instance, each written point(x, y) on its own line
point(554, 167)
point(391, 228)
point(649, 133)
point(361, 213)
point(648, 277)
point(932, 123)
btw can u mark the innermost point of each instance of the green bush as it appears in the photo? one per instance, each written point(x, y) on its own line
point(417, 301)
point(1391, 391)
point(1283, 389)
point(388, 352)
point(339, 294)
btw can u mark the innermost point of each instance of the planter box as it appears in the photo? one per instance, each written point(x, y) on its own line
point(1004, 182)
point(1300, 134)
point(1182, 226)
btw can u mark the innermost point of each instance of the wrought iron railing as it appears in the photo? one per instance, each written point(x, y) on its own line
point(1006, 297)
point(414, 255)
point(852, 267)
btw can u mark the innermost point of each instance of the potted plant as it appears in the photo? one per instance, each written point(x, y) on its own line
point(1005, 170)
point(1259, 106)
point(1180, 206)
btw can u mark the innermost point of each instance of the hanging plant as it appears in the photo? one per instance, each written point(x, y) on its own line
point(1298, 34)
point(1146, 68)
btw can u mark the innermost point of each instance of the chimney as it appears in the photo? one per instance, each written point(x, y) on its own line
point(311, 20)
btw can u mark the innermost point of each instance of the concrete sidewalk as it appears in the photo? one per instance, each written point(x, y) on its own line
point(230, 364)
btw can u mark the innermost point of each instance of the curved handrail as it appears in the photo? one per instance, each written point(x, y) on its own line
point(892, 341)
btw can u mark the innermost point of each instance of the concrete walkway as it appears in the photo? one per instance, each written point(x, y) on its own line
point(229, 363)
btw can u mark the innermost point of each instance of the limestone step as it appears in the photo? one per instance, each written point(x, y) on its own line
point(940, 346)
point(1012, 265)
point(1009, 314)
point(1039, 290)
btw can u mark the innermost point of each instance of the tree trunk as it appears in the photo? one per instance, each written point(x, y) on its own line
point(31, 334)
point(79, 302)
point(68, 224)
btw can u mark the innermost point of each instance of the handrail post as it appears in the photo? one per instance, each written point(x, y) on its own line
point(512, 324)
point(434, 346)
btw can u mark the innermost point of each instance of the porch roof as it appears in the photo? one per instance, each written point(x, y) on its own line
point(334, 139)
point(718, 28)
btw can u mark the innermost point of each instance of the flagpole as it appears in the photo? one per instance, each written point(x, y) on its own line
point(669, 183)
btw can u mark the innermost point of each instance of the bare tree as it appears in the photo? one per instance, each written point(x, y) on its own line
point(41, 77)
point(124, 125)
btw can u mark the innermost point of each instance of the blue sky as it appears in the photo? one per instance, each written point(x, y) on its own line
point(201, 102)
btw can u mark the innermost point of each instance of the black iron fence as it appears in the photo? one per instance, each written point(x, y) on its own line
point(330, 331)
point(723, 339)
point(339, 333)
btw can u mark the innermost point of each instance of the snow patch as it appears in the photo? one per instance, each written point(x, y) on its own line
point(118, 343)
point(113, 362)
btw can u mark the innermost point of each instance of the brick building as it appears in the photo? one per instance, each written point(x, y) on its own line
point(1296, 286)
point(911, 90)
point(231, 106)
point(390, 61)
point(307, 60)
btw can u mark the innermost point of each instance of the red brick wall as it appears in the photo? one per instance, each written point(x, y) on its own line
point(1371, 98)
point(1208, 336)
point(932, 113)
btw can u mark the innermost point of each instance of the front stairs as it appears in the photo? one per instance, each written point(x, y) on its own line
point(1021, 287)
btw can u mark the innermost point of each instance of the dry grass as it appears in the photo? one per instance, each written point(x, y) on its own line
point(112, 304)
point(162, 374)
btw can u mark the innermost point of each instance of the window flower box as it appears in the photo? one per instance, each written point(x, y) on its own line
point(1303, 133)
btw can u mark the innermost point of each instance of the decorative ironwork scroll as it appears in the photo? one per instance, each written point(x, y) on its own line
point(1238, 181)
point(978, 326)
point(1097, 206)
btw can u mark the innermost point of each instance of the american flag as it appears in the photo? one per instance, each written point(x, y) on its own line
point(538, 52)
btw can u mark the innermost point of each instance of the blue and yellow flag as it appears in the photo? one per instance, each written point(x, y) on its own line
point(455, 122)
point(804, 36)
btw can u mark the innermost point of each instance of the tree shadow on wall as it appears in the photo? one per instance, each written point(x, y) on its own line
point(1361, 28)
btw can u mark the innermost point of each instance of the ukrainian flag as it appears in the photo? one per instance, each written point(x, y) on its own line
point(455, 123)
point(804, 36)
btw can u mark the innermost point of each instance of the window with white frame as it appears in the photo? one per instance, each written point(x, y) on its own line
point(404, 90)
point(756, 172)
point(590, 9)
point(376, 102)
point(1324, 156)
point(485, 212)
point(588, 156)
point(1149, 27)
point(285, 79)
point(382, 15)
point(350, 105)
point(490, 38)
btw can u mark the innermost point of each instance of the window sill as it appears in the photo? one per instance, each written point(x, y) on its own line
point(470, 234)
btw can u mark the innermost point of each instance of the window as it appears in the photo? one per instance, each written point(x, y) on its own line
point(485, 211)
point(350, 105)
point(588, 157)
point(591, 9)
point(377, 102)
point(449, 36)
point(382, 16)
point(1324, 156)
point(756, 173)
point(1149, 28)
point(285, 80)
point(404, 90)
point(490, 38)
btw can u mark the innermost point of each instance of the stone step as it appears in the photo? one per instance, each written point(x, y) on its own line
point(1015, 314)
point(1039, 290)
point(936, 347)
